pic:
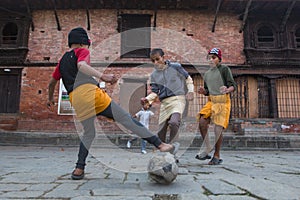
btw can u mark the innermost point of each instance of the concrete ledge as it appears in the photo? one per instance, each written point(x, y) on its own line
point(187, 140)
point(38, 139)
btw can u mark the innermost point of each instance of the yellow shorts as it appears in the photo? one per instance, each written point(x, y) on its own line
point(88, 100)
point(218, 109)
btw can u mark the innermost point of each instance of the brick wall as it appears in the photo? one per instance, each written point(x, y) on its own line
point(185, 35)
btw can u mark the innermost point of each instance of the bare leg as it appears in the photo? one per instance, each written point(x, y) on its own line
point(162, 132)
point(203, 127)
point(174, 124)
point(219, 139)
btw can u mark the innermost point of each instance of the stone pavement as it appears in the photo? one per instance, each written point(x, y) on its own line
point(118, 173)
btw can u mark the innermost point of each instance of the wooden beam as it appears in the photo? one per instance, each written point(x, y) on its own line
point(216, 14)
point(88, 19)
point(88, 15)
point(245, 15)
point(30, 14)
point(155, 15)
point(56, 15)
point(287, 15)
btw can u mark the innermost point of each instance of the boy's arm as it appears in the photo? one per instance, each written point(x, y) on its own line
point(190, 86)
point(51, 88)
point(230, 83)
point(88, 70)
point(149, 99)
point(188, 80)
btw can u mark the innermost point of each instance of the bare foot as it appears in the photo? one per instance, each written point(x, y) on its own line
point(77, 174)
point(172, 148)
point(164, 147)
point(78, 171)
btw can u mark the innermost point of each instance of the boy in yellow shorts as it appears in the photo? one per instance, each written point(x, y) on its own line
point(89, 100)
point(218, 84)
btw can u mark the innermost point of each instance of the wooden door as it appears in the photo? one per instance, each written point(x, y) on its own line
point(263, 96)
point(10, 80)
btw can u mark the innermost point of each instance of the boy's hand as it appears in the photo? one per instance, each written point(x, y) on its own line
point(110, 78)
point(144, 101)
point(201, 90)
point(50, 105)
point(190, 96)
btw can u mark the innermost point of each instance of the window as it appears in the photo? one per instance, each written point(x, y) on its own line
point(297, 38)
point(288, 94)
point(135, 36)
point(10, 34)
point(265, 37)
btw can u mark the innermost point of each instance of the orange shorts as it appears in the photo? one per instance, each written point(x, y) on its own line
point(218, 109)
point(88, 100)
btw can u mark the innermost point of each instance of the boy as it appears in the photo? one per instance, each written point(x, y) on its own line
point(89, 100)
point(144, 117)
point(218, 84)
point(169, 82)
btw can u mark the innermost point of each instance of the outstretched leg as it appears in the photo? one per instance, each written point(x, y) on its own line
point(115, 112)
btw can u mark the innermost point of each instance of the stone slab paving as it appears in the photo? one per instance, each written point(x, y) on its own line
point(44, 173)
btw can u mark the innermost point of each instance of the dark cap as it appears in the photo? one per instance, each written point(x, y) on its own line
point(78, 36)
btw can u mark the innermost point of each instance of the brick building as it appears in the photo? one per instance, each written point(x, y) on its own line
point(260, 42)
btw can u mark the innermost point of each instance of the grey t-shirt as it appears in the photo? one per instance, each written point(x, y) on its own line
point(216, 77)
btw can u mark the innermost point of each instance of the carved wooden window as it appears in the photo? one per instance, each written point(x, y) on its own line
point(265, 37)
point(10, 34)
point(297, 37)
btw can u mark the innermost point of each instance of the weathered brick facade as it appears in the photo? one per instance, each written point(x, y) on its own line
point(190, 38)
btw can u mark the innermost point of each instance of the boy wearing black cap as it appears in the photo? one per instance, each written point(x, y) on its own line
point(89, 100)
point(218, 84)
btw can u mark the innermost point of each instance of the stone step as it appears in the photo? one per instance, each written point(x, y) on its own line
point(187, 140)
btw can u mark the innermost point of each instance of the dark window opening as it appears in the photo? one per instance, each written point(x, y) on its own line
point(297, 38)
point(10, 33)
point(135, 36)
point(265, 37)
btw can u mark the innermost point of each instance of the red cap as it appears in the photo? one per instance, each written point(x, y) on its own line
point(217, 52)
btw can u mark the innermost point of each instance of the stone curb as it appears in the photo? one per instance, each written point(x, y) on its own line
point(188, 140)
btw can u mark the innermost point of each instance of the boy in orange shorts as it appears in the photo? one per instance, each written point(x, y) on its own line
point(218, 84)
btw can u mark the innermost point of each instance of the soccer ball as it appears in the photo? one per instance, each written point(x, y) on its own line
point(162, 168)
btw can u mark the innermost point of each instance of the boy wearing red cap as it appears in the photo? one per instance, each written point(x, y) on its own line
point(89, 100)
point(218, 84)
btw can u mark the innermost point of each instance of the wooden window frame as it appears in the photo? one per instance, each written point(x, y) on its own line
point(297, 38)
point(265, 44)
point(136, 26)
point(11, 43)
